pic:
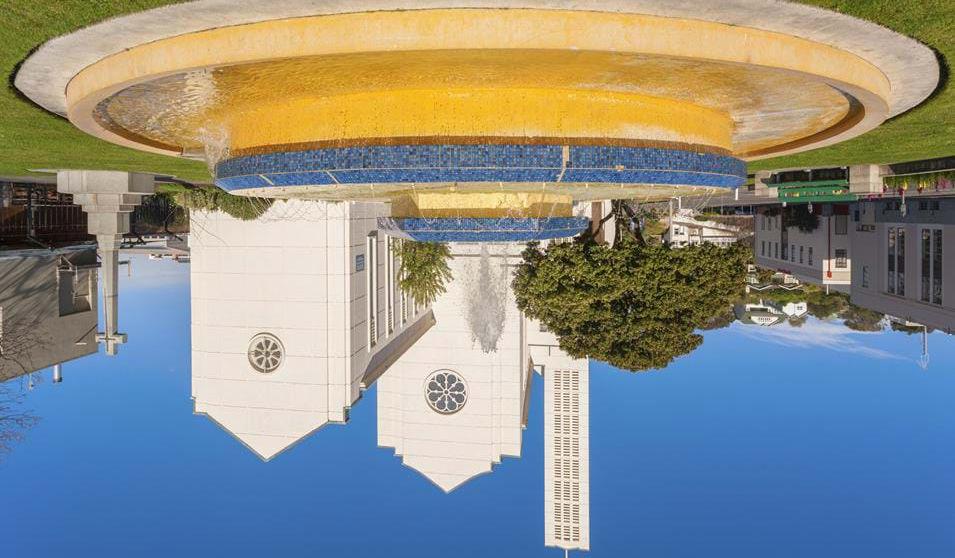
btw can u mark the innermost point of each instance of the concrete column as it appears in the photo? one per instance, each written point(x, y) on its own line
point(865, 179)
point(108, 197)
point(762, 188)
point(108, 247)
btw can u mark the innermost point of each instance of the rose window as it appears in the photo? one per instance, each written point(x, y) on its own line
point(446, 392)
point(266, 352)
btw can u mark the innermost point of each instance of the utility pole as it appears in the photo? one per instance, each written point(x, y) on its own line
point(923, 361)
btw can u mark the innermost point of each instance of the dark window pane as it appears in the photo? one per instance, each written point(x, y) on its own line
point(890, 286)
point(841, 224)
point(900, 262)
point(937, 267)
point(926, 247)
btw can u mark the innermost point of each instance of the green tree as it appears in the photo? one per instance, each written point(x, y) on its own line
point(858, 318)
point(242, 207)
point(797, 322)
point(824, 306)
point(423, 269)
point(634, 305)
point(720, 320)
point(799, 216)
point(211, 198)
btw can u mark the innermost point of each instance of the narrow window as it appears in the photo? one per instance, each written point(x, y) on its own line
point(842, 224)
point(896, 263)
point(931, 258)
point(800, 253)
point(937, 266)
point(900, 262)
point(810, 256)
point(926, 276)
point(371, 284)
point(865, 276)
point(890, 286)
point(390, 282)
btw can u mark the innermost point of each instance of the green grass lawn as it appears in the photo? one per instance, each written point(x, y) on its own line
point(32, 138)
point(924, 132)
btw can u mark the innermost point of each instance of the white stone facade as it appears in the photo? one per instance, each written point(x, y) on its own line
point(566, 440)
point(450, 449)
point(301, 274)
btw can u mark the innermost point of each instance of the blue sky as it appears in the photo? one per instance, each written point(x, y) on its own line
point(811, 442)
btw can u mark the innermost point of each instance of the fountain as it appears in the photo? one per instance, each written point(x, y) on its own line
point(407, 102)
point(485, 121)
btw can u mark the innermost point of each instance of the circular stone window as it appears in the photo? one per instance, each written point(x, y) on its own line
point(266, 353)
point(446, 391)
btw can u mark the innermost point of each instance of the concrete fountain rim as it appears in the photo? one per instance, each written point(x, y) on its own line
point(910, 67)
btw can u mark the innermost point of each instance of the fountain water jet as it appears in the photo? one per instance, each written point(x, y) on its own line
point(486, 301)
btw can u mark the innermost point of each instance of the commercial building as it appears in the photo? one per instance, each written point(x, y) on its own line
point(820, 255)
point(901, 267)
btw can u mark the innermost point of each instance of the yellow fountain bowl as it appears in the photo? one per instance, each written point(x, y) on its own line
point(511, 75)
point(450, 204)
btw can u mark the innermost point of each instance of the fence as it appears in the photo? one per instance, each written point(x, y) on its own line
point(38, 212)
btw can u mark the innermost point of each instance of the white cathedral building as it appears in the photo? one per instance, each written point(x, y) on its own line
point(285, 338)
point(284, 334)
point(450, 409)
point(456, 403)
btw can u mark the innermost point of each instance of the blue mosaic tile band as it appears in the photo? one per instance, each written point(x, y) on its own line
point(507, 229)
point(480, 163)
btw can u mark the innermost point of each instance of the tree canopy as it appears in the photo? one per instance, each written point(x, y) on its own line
point(632, 304)
point(211, 198)
point(423, 269)
point(799, 216)
point(858, 318)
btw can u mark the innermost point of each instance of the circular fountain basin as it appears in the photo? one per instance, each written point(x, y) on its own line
point(370, 99)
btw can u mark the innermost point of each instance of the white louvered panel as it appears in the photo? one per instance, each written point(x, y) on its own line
point(566, 465)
